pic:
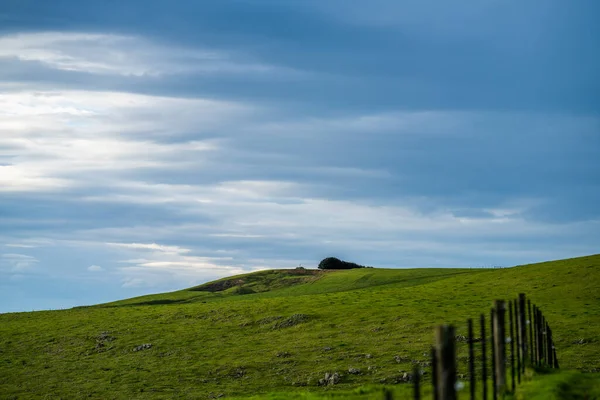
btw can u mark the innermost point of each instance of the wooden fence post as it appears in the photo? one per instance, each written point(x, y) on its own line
point(446, 362)
point(543, 335)
point(417, 382)
point(387, 394)
point(549, 345)
point(540, 339)
point(492, 342)
point(517, 339)
point(434, 373)
point(499, 345)
point(512, 346)
point(534, 360)
point(531, 344)
point(483, 356)
point(522, 332)
point(472, 376)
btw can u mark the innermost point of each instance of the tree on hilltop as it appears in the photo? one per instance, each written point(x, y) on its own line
point(336, 263)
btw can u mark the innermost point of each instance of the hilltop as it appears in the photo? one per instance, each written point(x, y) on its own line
point(282, 330)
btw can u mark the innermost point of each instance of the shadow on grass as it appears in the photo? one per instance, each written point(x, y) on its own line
point(149, 303)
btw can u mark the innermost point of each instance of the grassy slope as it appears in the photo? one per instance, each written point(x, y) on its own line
point(570, 385)
point(217, 343)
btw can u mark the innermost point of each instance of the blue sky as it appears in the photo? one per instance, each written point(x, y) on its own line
point(148, 146)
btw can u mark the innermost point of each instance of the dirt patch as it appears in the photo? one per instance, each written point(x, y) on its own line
point(220, 286)
point(262, 281)
point(304, 271)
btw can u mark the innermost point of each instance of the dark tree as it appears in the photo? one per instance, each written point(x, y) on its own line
point(336, 263)
point(330, 263)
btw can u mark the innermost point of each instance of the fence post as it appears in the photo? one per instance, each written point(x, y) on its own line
point(446, 362)
point(512, 346)
point(417, 382)
point(492, 345)
point(538, 327)
point(483, 357)
point(499, 344)
point(434, 373)
point(522, 333)
point(543, 335)
point(387, 394)
point(549, 345)
point(471, 360)
point(531, 344)
point(534, 360)
point(517, 339)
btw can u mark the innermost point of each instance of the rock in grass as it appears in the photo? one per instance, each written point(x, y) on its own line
point(143, 347)
point(401, 359)
point(101, 341)
point(239, 372)
point(405, 377)
point(330, 379)
point(354, 371)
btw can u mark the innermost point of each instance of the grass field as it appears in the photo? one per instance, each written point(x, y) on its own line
point(274, 334)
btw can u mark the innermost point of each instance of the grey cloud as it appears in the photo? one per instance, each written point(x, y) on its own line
point(112, 54)
point(17, 262)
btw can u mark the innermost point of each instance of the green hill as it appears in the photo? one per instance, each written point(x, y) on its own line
point(280, 331)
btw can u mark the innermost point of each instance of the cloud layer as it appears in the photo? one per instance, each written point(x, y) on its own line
point(110, 54)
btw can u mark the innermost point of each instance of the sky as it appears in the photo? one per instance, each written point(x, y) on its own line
point(149, 146)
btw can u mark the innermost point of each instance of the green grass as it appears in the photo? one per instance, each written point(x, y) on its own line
point(232, 342)
point(570, 385)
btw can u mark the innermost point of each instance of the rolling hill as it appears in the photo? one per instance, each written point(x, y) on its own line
point(280, 331)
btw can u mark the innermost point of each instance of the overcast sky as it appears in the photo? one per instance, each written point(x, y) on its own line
point(148, 146)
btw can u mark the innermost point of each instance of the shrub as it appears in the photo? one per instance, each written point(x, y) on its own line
point(336, 263)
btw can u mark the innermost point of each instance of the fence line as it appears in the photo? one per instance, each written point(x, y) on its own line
point(529, 340)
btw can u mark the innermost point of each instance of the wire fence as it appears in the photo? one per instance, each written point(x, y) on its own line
point(521, 338)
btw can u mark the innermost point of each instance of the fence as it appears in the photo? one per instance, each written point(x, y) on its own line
point(527, 340)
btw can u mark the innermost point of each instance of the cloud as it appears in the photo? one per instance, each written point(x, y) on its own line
point(304, 185)
point(95, 268)
point(17, 262)
point(151, 246)
point(26, 243)
point(112, 54)
point(18, 179)
point(54, 141)
point(152, 264)
point(290, 221)
point(59, 112)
